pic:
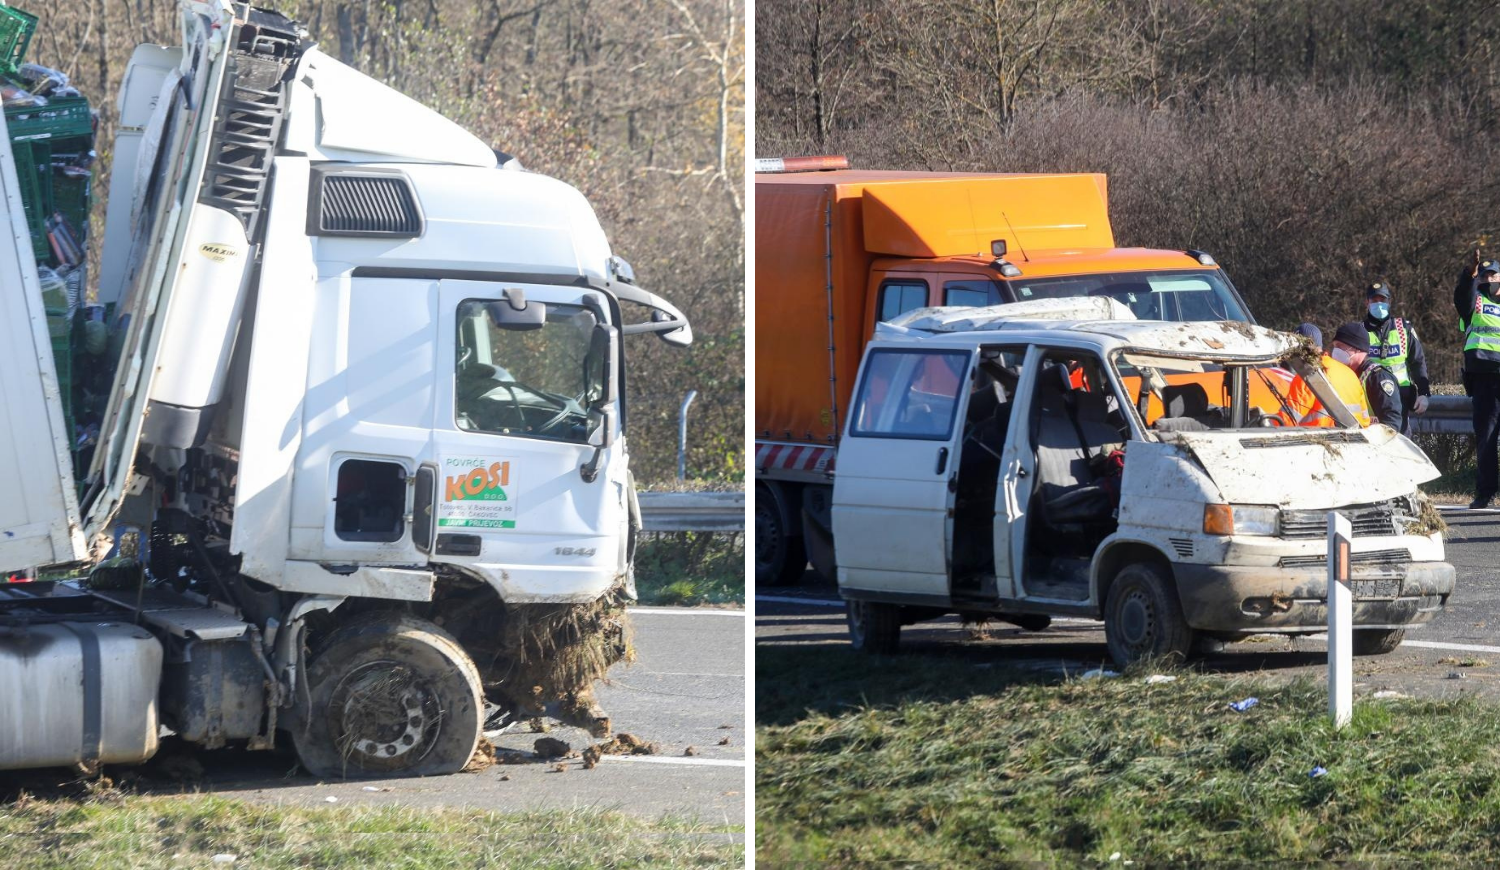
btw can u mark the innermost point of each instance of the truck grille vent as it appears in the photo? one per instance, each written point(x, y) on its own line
point(1183, 546)
point(1370, 520)
point(366, 204)
point(1377, 558)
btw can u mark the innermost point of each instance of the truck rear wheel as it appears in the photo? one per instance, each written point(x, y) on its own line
point(1378, 643)
point(873, 628)
point(1143, 618)
point(390, 696)
point(779, 557)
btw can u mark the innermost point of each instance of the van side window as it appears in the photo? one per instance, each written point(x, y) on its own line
point(910, 394)
point(899, 297)
point(971, 294)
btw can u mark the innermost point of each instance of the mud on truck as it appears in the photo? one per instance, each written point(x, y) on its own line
point(342, 462)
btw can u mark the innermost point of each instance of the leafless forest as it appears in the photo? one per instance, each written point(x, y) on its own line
point(1313, 146)
point(639, 103)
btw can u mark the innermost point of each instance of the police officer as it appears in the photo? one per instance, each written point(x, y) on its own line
point(1351, 346)
point(1394, 345)
point(1477, 300)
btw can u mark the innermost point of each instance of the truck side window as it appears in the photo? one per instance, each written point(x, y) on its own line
point(899, 297)
point(370, 502)
point(971, 294)
point(910, 394)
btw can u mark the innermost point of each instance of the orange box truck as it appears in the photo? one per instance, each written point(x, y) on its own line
point(837, 251)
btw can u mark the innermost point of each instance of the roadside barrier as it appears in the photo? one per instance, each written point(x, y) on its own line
point(693, 511)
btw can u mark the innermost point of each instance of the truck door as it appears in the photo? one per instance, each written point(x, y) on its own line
point(39, 514)
point(525, 478)
point(892, 496)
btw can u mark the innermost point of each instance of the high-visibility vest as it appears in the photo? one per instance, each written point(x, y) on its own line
point(1309, 410)
point(1391, 354)
point(1484, 326)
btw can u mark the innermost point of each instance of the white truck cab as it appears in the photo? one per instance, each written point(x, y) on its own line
point(363, 474)
point(1060, 457)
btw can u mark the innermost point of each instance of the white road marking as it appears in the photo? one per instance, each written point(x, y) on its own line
point(824, 602)
point(1465, 647)
point(658, 759)
point(1463, 509)
point(686, 611)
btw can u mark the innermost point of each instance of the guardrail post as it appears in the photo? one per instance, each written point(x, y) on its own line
point(682, 434)
point(1340, 622)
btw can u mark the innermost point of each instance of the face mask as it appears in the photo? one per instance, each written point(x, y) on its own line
point(1341, 355)
point(1380, 310)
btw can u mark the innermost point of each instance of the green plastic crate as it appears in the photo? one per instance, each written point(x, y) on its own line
point(62, 117)
point(61, 329)
point(34, 171)
point(16, 28)
point(72, 197)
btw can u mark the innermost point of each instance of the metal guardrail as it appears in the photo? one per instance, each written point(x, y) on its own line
point(1446, 415)
point(693, 511)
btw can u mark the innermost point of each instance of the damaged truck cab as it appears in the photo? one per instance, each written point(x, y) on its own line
point(363, 477)
point(998, 463)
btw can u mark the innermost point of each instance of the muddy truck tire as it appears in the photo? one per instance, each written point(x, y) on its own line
point(873, 628)
point(1143, 617)
point(1377, 643)
point(390, 696)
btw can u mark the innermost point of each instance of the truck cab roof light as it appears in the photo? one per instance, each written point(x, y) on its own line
point(1007, 268)
point(822, 163)
point(997, 248)
point(1200, 256)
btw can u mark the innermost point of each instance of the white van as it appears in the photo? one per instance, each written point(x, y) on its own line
point(1062, 458)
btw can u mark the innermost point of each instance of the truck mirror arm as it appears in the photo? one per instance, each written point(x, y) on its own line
point(674, 329)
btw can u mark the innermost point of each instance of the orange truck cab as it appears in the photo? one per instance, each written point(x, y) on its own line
point(838, 251)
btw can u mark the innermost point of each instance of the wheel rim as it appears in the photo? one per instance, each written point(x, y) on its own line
point(767, 533)
point(1137, 623)
point(386, 716)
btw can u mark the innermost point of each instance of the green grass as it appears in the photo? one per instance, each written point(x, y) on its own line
point(188, 831)
point(691, 568)
point(921, 759)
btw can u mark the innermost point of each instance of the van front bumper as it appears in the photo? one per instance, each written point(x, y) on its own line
point(1266, 599)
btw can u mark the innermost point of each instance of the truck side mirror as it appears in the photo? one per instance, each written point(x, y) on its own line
point(513, 312)
point(666, 321)
point(604, 349)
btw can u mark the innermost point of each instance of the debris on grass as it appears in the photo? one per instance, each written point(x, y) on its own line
point(1099, 673)
point(1388, 695)
point(1157, 679)
point(1464, 662)
point(1242, 706)
point(1317, 771)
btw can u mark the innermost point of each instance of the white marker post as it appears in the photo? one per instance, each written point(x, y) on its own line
point(1340, 622)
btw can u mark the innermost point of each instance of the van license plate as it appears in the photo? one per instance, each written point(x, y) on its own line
point(1387, 588)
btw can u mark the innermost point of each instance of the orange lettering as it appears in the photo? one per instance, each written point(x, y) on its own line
point(500, 474)
point(455, 489)
point(474, 484)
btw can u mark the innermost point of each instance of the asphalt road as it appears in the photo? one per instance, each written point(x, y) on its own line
point(687, 683)
point(1458, 652)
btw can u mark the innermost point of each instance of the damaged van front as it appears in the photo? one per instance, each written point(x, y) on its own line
point(1242, 511)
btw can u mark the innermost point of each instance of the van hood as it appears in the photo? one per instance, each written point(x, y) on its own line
point(1308, 468)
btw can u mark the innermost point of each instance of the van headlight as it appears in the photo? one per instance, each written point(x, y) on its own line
point(1256, 519)
point(1241, 519)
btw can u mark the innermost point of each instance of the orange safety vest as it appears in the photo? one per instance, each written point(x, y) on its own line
point(1310, 412)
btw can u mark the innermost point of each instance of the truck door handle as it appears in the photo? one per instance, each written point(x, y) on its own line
point(942, 463)
point(1020, 472)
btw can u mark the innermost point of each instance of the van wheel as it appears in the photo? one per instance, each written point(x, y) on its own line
point(1378, 643)
point(873, 628)
point(779, 556)
point(1143, 618)
point(390, 696)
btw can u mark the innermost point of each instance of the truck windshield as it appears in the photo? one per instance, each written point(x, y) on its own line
point(1173, 295)
point(537, 383)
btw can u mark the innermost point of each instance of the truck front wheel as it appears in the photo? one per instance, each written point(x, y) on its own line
point(1143, 618)
point(779, 556)
point(390, 696)
point(873, 628)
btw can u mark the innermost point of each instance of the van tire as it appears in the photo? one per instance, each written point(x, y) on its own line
point(780, 559)
point(1143, 618)
point(874, 628)
point(1378, 643)
point(391, 695)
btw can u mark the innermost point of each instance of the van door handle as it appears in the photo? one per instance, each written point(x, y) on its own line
point(1021, 472)
point(942, 464)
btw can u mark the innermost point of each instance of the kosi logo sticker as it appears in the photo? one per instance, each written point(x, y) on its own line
point(477, 493)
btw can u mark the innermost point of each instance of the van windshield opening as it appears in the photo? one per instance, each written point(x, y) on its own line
point(1172, 295)
point(1172, 394)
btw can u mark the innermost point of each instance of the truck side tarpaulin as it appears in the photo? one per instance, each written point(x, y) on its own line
point(961, 216)
point(792, 387)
